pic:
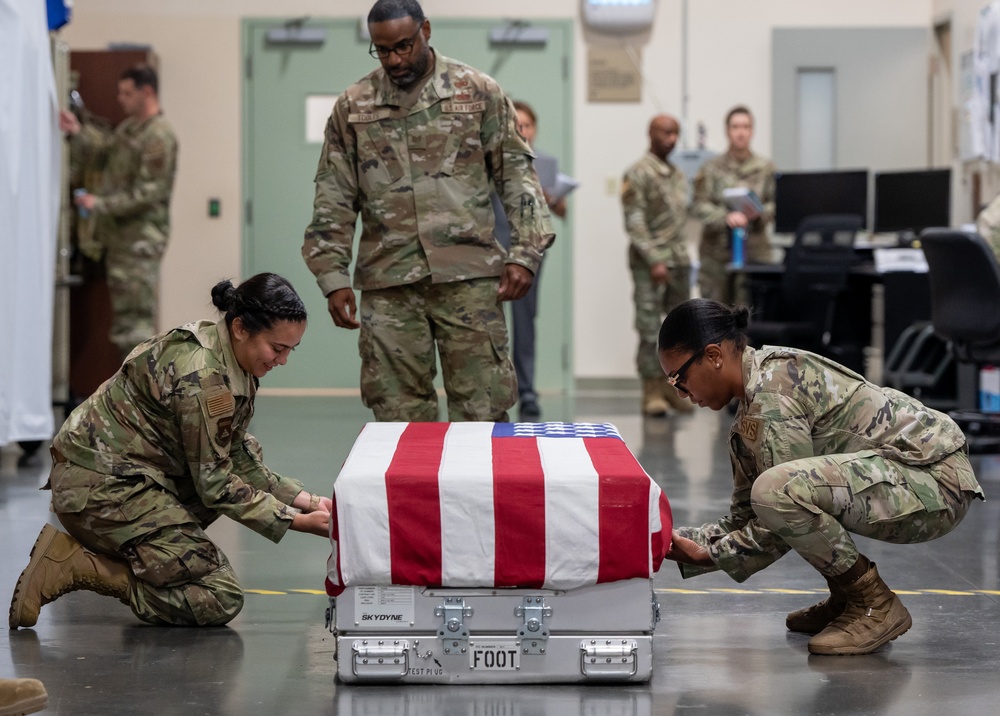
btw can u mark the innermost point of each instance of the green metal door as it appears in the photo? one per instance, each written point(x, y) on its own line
point(287, 83)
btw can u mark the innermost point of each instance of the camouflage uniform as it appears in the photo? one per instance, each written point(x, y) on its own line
point(819, 452)
point(715, 251)
point(418, 166)
point(988, 225)
point(154, 457)
point(136, 166)
point(654, 199)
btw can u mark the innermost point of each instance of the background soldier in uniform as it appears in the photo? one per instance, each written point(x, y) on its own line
point(137, 163)
point(415, 147)
point(158, 453)
point(654, 199)
point(738, 167)
point(818, 453)
point(988, 225)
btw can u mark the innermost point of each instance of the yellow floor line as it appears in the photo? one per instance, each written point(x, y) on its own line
point(714, 590)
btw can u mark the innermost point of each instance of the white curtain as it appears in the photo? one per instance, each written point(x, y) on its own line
point(30, 148)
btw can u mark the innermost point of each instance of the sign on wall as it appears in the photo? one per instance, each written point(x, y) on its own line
point(612, 76)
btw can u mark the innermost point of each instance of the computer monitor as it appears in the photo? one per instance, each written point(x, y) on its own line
point(801, 194)
point(912, 201)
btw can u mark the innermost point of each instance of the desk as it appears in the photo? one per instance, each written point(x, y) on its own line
point(871, 314)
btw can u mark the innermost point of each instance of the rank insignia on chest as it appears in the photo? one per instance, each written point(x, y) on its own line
point(749, 427)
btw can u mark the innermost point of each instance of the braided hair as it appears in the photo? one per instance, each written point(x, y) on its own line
point(258, 302)
point(699, 322)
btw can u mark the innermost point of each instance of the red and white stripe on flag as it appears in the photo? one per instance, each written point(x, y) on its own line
point(553, 505)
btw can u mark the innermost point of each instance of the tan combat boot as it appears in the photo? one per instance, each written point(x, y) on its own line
point(22, 696)
point(676, 401)
point(654, 405)
point(873, 617)
point(814, 619)
point(59, 564)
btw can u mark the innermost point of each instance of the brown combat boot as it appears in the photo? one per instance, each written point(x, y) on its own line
point(873, 617)
point(676, 401)
point(59, 564)
point(22, 696)
point(814, 619)
point(654, 405)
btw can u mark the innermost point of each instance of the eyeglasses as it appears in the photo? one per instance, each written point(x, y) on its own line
point(401, 49)
point(676, 378)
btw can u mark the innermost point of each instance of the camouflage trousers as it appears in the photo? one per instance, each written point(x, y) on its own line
point(715, 281)
point(812, 505)
point(652, 302)
point(400, 328)
point(179, 575)
point(133, 268)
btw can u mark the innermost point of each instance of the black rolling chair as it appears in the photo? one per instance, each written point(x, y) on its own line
point(965, 311)
point(817, 266)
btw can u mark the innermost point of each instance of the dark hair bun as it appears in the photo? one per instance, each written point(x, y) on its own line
point(741, 317)
point(223, 295)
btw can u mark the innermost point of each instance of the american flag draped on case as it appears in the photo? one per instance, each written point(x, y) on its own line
point(549, 505)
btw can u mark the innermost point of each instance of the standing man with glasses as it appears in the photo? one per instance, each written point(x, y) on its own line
point(414, 147)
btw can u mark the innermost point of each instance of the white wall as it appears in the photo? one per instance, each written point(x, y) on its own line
point(728, 63)
point(962, 15)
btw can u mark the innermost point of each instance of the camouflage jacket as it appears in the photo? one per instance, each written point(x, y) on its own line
point(133, 169)
point(177, 412)
point(654, 200)
point(801, 405)
point(721, 173)
point(420, 177)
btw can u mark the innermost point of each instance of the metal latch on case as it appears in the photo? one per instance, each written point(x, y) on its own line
point(533, 633)
point(453, 633)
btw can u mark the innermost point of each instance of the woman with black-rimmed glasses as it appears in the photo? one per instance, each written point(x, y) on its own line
point(818, 453)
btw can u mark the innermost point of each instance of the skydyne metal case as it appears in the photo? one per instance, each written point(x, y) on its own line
point(405, 634)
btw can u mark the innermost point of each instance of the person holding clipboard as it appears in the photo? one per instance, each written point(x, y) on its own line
point(739, 168)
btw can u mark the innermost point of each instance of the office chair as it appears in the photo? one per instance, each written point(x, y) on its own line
point(965, 310)
point(817, 266)
point(921, 364)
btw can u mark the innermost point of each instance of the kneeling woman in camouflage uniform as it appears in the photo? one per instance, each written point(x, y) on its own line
point(157, 454)
point(818, 453)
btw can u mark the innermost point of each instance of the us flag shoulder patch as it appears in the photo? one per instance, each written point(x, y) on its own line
point(220, 402)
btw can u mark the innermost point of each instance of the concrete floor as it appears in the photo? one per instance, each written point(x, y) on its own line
point(721, 647)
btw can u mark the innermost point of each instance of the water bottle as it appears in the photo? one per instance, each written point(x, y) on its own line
point(79, 209)
point(739, 239)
